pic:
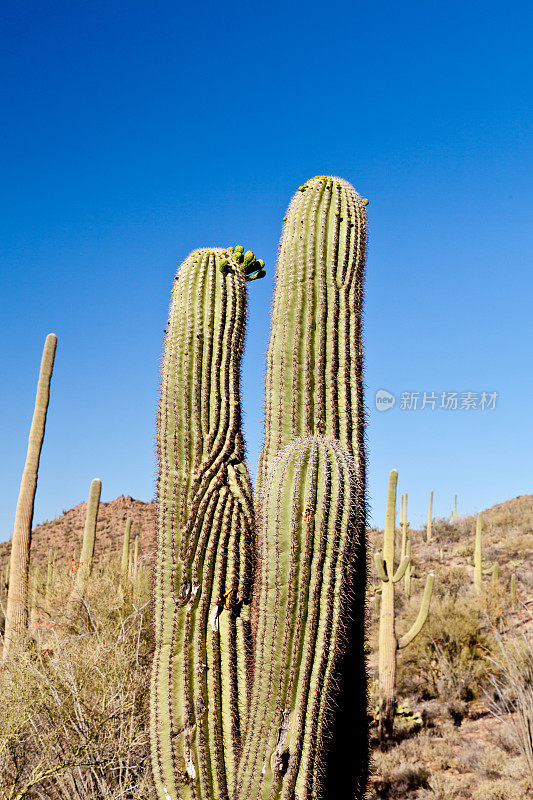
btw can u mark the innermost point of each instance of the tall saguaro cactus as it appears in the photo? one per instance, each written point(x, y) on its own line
point(258, 681)
point(17, 599)
point(205, 535)
point(389, 643)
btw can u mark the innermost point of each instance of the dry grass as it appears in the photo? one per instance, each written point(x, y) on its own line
point(74, 699)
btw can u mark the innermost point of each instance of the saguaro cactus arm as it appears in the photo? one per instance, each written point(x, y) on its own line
point(17, 600)
point(400, 572)
point(380, 567)
point(422, 616)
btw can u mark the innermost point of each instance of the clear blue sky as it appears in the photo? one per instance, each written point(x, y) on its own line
point(133, 132)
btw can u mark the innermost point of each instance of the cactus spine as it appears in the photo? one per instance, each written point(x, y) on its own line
point(124, 572)
point(429, 526)
point(85, 567)
point(205, 519)
point(17, 599)
point(478, 576)
point(388, 641)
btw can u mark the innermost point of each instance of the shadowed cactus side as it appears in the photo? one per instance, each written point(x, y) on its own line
point(17, 611)
point(389, 643)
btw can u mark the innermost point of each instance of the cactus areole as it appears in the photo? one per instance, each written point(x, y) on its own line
point(258, 680)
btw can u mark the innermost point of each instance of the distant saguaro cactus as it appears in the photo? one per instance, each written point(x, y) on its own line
point(17, 599)
point(429, 526)
point(388, 641)
point(124, 564)
point(478, 556)
point(82, 571)
point(404, 526)
point(49, 575)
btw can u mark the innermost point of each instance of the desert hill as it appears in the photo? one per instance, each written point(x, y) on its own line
point(65, 533)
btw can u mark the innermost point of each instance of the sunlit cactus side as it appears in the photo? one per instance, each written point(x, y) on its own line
point(429, 526)
point(204, 564)
point(17, 600)
point(124, 562)
point(314, 359)
point(310, 521)
point(83, 569)
point(478, 556)
point(389, 643)
point(454, 513)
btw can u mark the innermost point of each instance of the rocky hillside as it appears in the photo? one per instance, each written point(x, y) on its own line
point(65, 533)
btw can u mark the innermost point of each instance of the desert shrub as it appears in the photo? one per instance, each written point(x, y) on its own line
point(447, 659)
point(510, 689)
point(74, 699)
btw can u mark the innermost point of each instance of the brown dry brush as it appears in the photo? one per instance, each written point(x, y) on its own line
point(74, 700)
point(509, 688)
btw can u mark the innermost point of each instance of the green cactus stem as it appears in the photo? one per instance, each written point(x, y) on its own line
point(454, 513)
point(404, 526)
point(205, 512)
point(514, 593)
point(314, 359)
point(478, 567)
point(495, 579)
point(429, 526)
point(17, 599)
point(310, 526)
point(124, 562)
point(135, 557)
point(83, 569)
point(388, 641)
point(407, 576)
